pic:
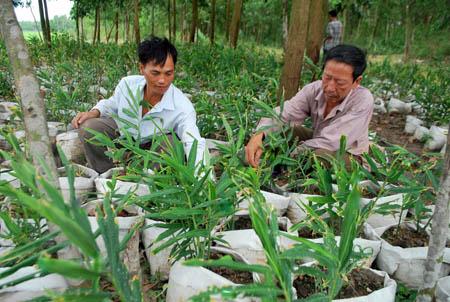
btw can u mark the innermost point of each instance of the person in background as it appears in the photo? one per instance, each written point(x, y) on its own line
point(334, 32)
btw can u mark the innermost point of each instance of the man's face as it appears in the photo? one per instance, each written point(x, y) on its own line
point(158, 77)
point(337, 81)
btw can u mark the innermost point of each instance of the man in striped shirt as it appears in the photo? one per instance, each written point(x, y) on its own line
point(334, 32)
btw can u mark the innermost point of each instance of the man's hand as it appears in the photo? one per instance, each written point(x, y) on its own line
point(254, 150)
point(81, 117)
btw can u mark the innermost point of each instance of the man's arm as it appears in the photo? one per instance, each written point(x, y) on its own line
point(104, 107)
point(295, 110)
point(81, 117)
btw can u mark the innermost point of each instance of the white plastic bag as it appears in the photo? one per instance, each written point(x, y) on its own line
point(186, 282)
point(421, 133)
point(406, 265)
point(278, 202)
point(443, 289)
point(386, 294)
point(32, 288)
point(412, 123)
point(437, 140)
point(83, 185)
point(71, 145)
point(397, 106)
point(122, 187)
point(160, 262)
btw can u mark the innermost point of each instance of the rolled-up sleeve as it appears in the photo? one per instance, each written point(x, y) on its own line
point(188, 132)
point(294, 111)
point(108, 107)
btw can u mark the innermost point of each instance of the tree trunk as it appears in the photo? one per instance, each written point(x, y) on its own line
point(234, 26)
point(408, 31)
point(153, 17)
point(94, 38)
point(47, 22)
point(285, 22)
point(380, 7)
point(169, 18)
point(346, 18)
point(82, 28)
point(43, 22)
point(213, 22)
point(174, 22)
point(116, 22)
point(127, 27)
point(295, 49)
point(27, 86)
point(194, 21)
point(105, 29)
point(77, 20)
point(137, 28)
point(184, 25)
point(32, 104)
point(316, 29)
point(439, 230)
point(227, 20)
point(98, 25)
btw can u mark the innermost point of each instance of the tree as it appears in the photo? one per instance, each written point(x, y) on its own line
point(227, 20)
point(213, 21)
point(96, 36)
point(137, 29)
point(45, 22)
point(174, 22)
point(285, 22)
point(27, 86)
point(234, 25)
point(116, 25)
point(295, 48)
point(316, 26)
point(169, 18)
point(194, 21)
point(439, 230)
point(408, 30)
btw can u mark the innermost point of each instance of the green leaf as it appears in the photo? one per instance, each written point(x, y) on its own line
point(70, 269)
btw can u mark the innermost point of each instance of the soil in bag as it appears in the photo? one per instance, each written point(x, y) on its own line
point(238, 277)
point(361, 282)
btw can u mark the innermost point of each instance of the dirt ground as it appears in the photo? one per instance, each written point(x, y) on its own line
point(389, 129)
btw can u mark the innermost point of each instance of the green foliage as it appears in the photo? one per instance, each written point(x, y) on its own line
point(331, 269)
point(187, 200)
point(39, 195)
point(276, 280)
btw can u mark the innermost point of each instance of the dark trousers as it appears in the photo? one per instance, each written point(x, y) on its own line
point(95, 154)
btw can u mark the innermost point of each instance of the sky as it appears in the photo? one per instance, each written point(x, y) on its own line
point(55, 8)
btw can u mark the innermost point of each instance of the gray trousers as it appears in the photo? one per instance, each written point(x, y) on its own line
point(95, 155)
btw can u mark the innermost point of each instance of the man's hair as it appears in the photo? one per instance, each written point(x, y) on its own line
point(333, 13)
point(156, 50)
point(348, 54)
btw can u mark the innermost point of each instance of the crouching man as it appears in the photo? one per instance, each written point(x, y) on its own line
point(338, 105)
point(164, 108)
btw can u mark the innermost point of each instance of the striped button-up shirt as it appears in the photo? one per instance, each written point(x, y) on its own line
point(350, 118)
point(334, 30)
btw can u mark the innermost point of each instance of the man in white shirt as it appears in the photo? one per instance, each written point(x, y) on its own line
point(165, 108)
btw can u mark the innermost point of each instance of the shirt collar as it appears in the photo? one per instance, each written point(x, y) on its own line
point(167, 101)
point(320, 97)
